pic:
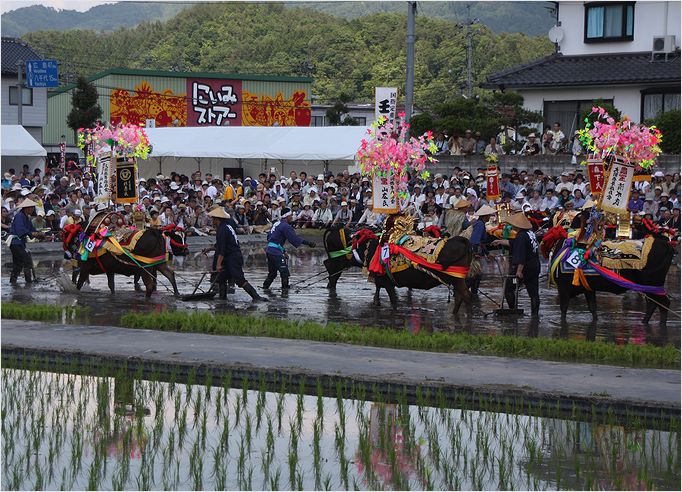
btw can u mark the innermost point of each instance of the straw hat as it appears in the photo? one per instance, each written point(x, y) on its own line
point(27, 203)
point(485, 210)
point(462, 203)
point(588, 205)
point(219, 213)
point(519, 220)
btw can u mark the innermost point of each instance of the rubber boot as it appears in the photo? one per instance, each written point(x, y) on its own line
point(252, 292)
point(222, 292)
point(230, 287)
point(285, 283)
point(13, 281)
point(535, 306)
point(28, 275)
point(268, 282)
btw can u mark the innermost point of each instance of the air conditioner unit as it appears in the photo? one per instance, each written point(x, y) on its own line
point(663, 44)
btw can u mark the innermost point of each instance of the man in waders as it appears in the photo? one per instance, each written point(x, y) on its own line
point(280, 233)
point(525, 262)
point(479, 240)
point(229, 262)
point(21, 228)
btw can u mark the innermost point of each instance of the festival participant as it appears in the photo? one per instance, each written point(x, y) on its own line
point(456, 219)
point(478, 241)
point(20, 229)
point(525, 262)
point(229, 262)
point(276, 255)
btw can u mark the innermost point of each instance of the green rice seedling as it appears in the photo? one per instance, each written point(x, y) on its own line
point(245, 390)
point(237, 411)
point(328, 482)
point(274, 480)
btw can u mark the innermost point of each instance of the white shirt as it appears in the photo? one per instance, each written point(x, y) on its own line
point(211, 191)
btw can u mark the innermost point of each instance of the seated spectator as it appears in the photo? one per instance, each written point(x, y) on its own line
point(531, 147)
point(493, 148)
point(635, 204)
point(304, 219)
point(480, 144)
point(455, 145)
point(578, 199)
point(550, 203)
point(441, 144)
point(322, 218)
point(468, 143)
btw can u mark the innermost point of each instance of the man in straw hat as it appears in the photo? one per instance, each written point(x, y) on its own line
point(456, 217)
point(525, 262)
point(21, 228)
point(229, 261)
point(478, 241)
point(280, 233)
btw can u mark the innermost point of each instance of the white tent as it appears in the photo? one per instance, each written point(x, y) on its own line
point(18, 147)
point(213, 149)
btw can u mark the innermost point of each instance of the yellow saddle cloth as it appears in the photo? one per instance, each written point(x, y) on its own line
point(126, 237)
point(626, 254)
point(427, 247)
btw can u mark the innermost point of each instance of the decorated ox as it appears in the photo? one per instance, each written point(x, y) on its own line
point(108, 256)
point(575, 271)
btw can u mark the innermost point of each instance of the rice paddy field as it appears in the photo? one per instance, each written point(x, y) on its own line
point(115, 430)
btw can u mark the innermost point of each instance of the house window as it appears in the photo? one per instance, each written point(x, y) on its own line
point(360, 120)
point(659, 101)
point(609, 21)
point(568, 114)
point(318, 121)
point(27, 99)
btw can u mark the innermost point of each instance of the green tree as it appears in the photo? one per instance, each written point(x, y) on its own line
point(85, 110)
point(592, 117)
point(338, 115)
point(669, 124)
point(420, 124)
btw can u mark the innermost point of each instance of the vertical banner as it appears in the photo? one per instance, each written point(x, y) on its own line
point(595, 173)
point(384, 194)
point(492, 178)
point(62, 156)
point(126, 179)
point(386, 100)
point(617, 190)
point(103, 178)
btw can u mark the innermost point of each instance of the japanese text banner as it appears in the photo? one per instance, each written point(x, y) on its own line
point(595, 172)
point(384, 195)
point(386, 99)
point(103, 178)
point(492, 177)
point(617, 190)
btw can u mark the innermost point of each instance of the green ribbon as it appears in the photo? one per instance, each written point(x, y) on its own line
point(341, 252)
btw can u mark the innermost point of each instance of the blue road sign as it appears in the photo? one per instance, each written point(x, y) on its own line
point(42, 73)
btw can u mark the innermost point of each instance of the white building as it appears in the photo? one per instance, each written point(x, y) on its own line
point(625, 53)
point(34, 102)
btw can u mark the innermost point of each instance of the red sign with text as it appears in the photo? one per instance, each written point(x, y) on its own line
point(214, 102)
point(595, 172)
point(492, 177)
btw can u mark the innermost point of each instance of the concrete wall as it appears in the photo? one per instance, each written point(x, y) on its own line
point(650, 21)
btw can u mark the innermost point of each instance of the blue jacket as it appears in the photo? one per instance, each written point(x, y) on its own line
point(280, 233)
point(478, 236)
point(226, 239)
point(21, 227)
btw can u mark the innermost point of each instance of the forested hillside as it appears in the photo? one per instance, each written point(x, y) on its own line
point(343, 56)
point(106, 17)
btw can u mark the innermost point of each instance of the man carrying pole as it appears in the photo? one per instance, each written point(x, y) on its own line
point(21, 228)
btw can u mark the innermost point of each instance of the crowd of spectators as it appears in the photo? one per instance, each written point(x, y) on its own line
point(316, 200)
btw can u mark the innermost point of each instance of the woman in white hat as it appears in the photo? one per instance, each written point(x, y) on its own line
point(21, 228)
point(229, 261)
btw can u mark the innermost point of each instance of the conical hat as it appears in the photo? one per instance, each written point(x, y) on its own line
point(485, 210)
point(27, 203)
point(219, 213)
point(519, 220)
point(462, 203)
point(588, 204)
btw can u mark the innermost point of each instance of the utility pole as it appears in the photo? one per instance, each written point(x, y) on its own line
point(20, 87)
point(470, 54)
point(409, 82)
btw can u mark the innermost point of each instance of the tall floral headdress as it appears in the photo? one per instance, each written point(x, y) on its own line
point(125, 139)
point(388, 151)
point(610, 138)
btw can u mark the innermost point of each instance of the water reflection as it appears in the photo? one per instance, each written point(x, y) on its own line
point(119, 433)
point(418, 311)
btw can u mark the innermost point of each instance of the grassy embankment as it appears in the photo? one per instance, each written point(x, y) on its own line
point(667, 357)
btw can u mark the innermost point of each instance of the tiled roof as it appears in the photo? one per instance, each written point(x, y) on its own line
point(604, 69)
point(14, 50)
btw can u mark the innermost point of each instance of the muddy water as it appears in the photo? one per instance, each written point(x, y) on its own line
point(308, 299)
point(88, 432)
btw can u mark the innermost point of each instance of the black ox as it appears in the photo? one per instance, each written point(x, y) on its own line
point(151, 244)
point(653, 274)
point(456, 252)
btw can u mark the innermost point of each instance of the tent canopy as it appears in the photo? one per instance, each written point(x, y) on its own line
point(255, 142)
point(16, 141)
